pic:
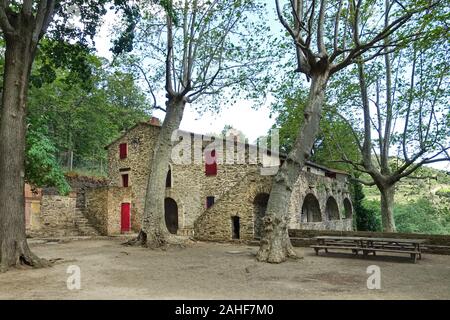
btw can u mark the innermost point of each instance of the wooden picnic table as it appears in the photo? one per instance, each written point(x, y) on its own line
point(370, 245)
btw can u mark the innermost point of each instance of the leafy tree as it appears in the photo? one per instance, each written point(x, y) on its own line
point(404, 108)
point(192, 51)
point(333, 135)
point(42, 168)
point(23, 24)
point(328, 36)
point(82, 118)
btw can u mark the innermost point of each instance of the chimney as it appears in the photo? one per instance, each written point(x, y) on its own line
point(154, 121)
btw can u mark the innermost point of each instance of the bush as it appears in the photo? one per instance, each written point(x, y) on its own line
point(365, 216)
point(443, 192)
point(420, 216)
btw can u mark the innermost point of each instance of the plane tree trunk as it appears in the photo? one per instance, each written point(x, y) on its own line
point(387, 207)
point(275, 244)
point(14, 250)
point(154, 233)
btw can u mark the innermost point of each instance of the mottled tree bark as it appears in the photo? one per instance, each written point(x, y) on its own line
point(154, 232)
point(387, 208)
point(275, 243)
point(19, 56)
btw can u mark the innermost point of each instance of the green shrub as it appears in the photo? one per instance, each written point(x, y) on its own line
point(365, 217)
point(421, 216)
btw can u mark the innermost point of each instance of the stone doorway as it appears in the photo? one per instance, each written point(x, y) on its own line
point(259, 211)
point(235, 227)
point(171, 215)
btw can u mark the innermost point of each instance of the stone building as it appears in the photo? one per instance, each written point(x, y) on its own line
point(215, 189)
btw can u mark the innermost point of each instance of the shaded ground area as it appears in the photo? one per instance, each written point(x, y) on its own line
point(219, 271)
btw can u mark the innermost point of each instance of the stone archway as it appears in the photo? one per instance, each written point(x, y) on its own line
point(348, 208)
point(171, 215)
point(259, 211)
point(331, 209)
point(311, 208)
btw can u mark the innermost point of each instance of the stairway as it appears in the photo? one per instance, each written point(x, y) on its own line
point(83, 225)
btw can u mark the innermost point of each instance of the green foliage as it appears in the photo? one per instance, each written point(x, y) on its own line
point(416, 216)
point(334, 140)
point(82, 118)
point(421, 216)
point(365, 213)
point(443, 192)
point(42, 168)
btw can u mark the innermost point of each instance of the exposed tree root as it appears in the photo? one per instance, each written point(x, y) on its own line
point(275, 246)
point(16, 254)
point(158, 240)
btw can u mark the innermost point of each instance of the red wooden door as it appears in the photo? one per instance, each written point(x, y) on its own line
point(125, 218)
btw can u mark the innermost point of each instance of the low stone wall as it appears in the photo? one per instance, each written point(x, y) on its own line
point(79, 185)
point(343, 224)
point(56, 217)
point(435, 244)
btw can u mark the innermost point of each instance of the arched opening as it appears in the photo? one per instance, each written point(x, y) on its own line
point(169, 178)
point(311, 209)
point(259, 211)
point(331, 209)
point(171, 215)
point(348, 208)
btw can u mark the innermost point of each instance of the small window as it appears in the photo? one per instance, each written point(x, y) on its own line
point(308, 169)
point(123, 150)
point(235, 227)
point(210, 163)
point(125, 180)
point(169, 179)
point(209, 201)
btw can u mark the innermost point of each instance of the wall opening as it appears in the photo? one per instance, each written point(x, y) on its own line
point(259, 211)
point(311, 209)
point(331, 209)
point(348, 208)
point(235, 227)
point(169, 178)
point(171, 215)
point(125, 180)
point(209, 201)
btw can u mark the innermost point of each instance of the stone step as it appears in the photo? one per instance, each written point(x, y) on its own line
point(83, 225)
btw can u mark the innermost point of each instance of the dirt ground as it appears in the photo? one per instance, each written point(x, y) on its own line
point(219, 271)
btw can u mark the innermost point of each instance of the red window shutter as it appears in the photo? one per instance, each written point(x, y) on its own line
point(125, 180)
point(123, 150)
point(210, 163)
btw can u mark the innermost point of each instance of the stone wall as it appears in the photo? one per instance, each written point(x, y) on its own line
point(79, 185)
point(322, 189)
point(56, 217)
point(103, 208)
point(234, 188)
point(434, 244)
point(140, 142)
point(97, 208)
point(215, 224)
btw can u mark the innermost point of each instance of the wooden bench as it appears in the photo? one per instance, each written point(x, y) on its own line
point(370, 245)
